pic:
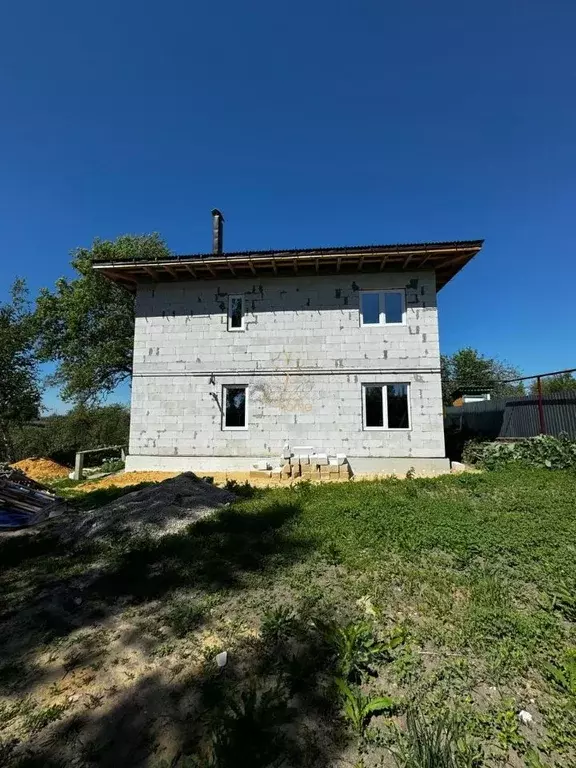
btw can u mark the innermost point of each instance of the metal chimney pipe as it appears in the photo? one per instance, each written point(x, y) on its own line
point(217, 231)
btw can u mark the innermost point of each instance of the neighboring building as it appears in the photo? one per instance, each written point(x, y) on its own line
point(237, 354)
point(469, 395)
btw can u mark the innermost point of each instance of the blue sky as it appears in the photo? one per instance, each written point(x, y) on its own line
point(307, 123)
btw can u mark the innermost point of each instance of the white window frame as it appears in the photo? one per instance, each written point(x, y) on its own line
point(246, 412)
point(385, 427)
point(232, 297)
point(382, 307)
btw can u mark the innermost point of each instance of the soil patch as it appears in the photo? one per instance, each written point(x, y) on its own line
point(124, 479)
point(42, 469)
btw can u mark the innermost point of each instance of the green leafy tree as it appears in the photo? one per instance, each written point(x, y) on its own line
point(468, 367)
point(550, 384)
point(19, 383)
point(86, 325)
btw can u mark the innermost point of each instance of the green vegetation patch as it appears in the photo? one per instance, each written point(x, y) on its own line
point(543, 451)
point(393, 623)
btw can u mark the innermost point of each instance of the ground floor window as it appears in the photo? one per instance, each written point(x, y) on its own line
point(235, 400)
point(386, 406)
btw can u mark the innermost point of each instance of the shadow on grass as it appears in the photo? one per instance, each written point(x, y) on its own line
point(272, 705)
point(49, 592)
point(215, 553)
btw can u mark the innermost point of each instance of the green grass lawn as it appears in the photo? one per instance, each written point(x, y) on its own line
point(367, 624)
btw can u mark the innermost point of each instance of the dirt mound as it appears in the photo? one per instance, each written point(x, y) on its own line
point(11, 473)
point(42, 469)
point(158, 510)
point(123, 479)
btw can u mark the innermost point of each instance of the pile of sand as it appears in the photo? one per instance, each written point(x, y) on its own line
point(157, 510)
point(42, 469)
point(123, 479)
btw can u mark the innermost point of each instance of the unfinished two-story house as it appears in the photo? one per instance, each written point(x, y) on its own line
point(335, 350)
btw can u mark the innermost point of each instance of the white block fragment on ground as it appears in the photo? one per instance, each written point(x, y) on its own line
point(222, 659)
point(457, 466)
point(525, 717)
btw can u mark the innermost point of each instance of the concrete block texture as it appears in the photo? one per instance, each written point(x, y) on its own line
point(199, 430)
point(291, 323)
point(303, 357)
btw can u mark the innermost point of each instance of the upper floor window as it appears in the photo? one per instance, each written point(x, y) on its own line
point(382, 307)
point(235, 313)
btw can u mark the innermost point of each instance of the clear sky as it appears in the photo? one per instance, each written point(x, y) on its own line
point(306, 123)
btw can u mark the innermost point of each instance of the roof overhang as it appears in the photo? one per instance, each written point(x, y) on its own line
point(445, 259)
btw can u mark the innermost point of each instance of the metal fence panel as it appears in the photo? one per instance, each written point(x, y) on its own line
point(521, 415)
point(516, 416)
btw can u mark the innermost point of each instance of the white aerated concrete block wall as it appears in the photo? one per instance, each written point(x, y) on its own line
point(303, 356)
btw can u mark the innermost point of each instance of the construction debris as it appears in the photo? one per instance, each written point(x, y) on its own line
point(305, 462)
point(11, 472)
point(24, 502)
point(161, 509)
point(262, 466)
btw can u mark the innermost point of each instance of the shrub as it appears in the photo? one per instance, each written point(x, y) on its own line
point(59, 436)
point(544, 451)
point(473, 451)
point(112, 465)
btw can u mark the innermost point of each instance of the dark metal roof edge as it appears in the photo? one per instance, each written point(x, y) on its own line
point(324, 250)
